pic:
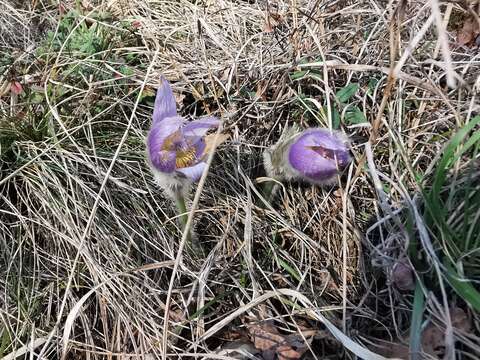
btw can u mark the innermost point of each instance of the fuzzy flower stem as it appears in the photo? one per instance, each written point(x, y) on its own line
point(192, 244)
point(182, 209)
point(268, 189)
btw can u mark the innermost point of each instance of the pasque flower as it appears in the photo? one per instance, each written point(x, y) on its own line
point(403, 276)
point(175, 146)
point(176, 151)
point(316, 155)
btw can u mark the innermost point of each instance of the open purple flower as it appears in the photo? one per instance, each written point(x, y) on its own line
point(316, 155)
point(176, 147)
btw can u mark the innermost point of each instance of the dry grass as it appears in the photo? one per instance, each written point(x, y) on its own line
point(89, 242)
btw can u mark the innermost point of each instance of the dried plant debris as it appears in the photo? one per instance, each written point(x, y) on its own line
point(432, 338)
point(266, 337)
point(80, 212)
point(469, 33)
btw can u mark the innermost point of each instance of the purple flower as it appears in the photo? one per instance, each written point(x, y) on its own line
point(319, 154)
point(316, 155)
point(402, 276)
point(175, 147)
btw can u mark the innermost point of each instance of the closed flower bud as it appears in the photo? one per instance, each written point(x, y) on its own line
point(316, 155)
point(402, 276)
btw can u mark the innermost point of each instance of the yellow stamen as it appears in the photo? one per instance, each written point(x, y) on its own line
point(170, 140)
point(185, 157)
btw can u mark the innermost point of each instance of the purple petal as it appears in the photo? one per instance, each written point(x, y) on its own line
point(318, 154)
point(164, 161)
point(163, 129)
point(193, 172)
point(161, 158)
point(199, 146)
point(200, 126)
point(165, 106)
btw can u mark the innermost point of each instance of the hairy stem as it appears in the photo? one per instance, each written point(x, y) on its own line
point(193, 245)
point(268, 190)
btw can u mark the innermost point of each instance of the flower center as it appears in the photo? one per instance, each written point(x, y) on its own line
point(185, 153)
point(185, 157)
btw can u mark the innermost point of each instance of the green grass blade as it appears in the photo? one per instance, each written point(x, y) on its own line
point(416, 322)
point(449, 157)
point(463, 287)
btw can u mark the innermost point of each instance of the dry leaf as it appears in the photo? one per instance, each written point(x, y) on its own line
point(433, 340)
point(198, 91)
point(460, 320)
point(274, 345)
point(62, 9)
point(267, 27)
point(469, 32)
point(179, 97)
point(265, 336)
point(209, 141)
point(392, 350)
point(261, 88)
point(4, 87)
point(433, 336)
point(272, 20)
point(241, 350)
point(16, 88)
point(87, 5)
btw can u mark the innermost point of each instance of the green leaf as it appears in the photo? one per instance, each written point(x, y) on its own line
point(449, 157)
point(5, 341)
point(440, 203)
point(306, 74)
point(298, 74)
point(345, 93)
point(126, 70)
point(285, 266)
point(436, 209)
point(37, 97)
point(335, 118)
point(463, 287)
point(355, 116)
point(372, 84)
point(208, 305)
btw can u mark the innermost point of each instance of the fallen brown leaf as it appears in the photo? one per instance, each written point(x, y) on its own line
point(266, 338)
point(391, 350)
point(16, 87)
point(460, 319)
point(261, 89)
point(433, 340)
point(469, 32)
point(433, 336)
point(209, 141)
point(272, 20)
